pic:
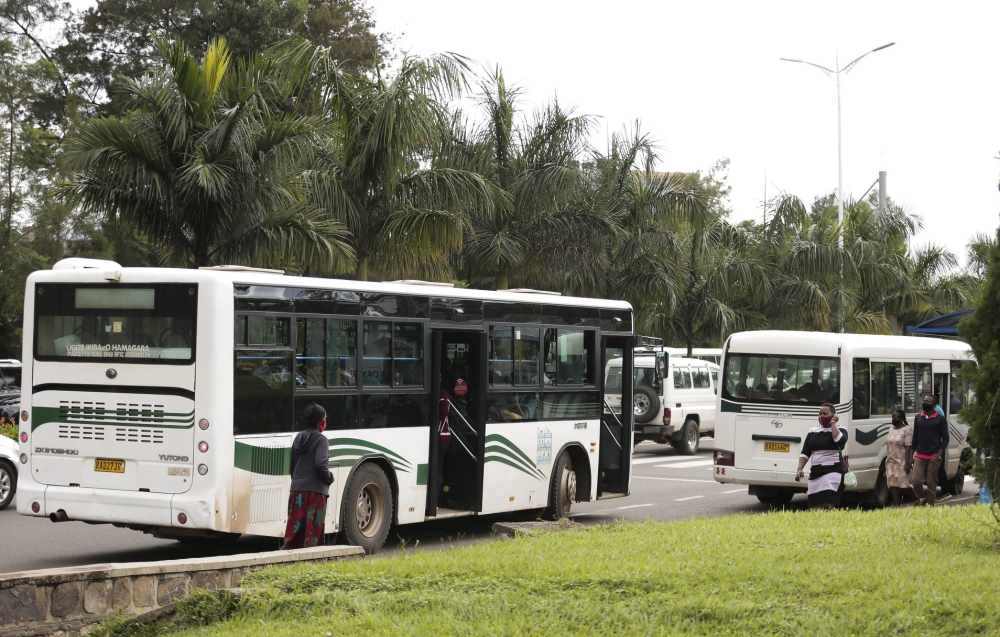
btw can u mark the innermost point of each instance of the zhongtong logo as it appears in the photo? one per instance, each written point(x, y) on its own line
point(777, 424)
point(164, 458)
point(57, 452)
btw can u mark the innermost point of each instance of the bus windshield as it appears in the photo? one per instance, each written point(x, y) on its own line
point(782, 379)
point(149, 323)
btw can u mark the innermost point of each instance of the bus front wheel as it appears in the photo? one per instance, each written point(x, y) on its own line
point(562, 491)
point(367, 511)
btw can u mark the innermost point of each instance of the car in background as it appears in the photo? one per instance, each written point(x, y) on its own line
point(8, 471)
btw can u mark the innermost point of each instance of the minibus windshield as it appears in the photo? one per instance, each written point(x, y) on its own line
point(769, 378)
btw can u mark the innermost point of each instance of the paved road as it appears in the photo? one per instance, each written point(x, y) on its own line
point(665, 486)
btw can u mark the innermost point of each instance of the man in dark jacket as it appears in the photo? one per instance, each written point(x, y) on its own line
point(930, 439)
point(311, 480)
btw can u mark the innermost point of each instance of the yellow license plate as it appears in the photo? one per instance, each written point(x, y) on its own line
point(109, 466)
point(776, 446)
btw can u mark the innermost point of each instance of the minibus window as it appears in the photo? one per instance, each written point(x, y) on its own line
point(781, 379)
point(862, 389)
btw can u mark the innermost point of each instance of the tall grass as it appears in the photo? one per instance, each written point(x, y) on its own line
point(914, 571)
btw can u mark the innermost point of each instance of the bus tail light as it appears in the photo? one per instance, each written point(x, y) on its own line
point(24, 416)
point(725, 458)
point(203, 424)
point(203, 446)
point(202, 469)
point(24, 436)
point(182, 518)
point(35, 507)
point(666, 415)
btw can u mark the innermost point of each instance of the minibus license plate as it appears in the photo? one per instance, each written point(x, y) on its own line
point(776, 446)
point(109, 466)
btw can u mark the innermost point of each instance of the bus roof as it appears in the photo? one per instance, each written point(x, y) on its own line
point(263, 278)
point(792, 343)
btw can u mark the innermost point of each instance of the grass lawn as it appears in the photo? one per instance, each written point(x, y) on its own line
point(911, 571)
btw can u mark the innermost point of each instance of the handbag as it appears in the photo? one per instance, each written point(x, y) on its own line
point(850, 480)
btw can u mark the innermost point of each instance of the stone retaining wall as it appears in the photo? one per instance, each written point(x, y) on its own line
point(54, 600)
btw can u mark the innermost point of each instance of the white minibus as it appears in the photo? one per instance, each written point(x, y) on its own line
point(773, 383)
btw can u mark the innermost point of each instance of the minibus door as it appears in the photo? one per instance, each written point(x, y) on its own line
point(615, 451)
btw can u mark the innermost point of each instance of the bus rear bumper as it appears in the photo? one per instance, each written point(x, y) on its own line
point(134, 509)
point(731, 475)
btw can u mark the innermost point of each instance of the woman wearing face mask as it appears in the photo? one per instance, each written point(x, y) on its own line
point(311, 480)
point(823, 447)
point(897, 459)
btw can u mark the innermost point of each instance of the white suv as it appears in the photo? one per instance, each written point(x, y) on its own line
point(678, 411)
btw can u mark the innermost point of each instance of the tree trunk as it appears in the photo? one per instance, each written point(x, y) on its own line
point(362, 269)
point(501, 281)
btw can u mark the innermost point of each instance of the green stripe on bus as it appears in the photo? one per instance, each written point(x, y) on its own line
point(511, 464)
point(510, 445)
point(45, 415)
point(268, 461)
point(872, 435)
point(369, 445)
point(516, 458)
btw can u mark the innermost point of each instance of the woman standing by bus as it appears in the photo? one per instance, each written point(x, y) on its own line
point(823, 447)
point(311, 480)
point(897, 458)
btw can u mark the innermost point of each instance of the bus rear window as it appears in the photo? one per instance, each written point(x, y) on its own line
point(782, 379)
point(141, 323)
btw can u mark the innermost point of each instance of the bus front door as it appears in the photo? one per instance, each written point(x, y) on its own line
point(615, 459)
point(455, 475)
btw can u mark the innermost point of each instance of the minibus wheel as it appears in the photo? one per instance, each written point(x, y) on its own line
point(956, 485)
point(367, 508)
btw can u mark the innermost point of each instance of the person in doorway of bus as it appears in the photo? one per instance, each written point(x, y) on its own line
point(311, 480)
point(444, 434)
point(897, 459)
point(930, 439)
point(822, 448)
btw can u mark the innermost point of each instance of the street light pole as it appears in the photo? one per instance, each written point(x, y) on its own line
point(840, 160)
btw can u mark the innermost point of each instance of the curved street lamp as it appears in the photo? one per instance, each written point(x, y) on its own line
point(840, 163)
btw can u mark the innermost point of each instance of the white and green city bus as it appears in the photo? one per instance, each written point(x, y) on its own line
point(773, 383)
point(166, 400)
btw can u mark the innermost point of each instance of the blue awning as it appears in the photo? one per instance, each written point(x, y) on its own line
point(944, 325)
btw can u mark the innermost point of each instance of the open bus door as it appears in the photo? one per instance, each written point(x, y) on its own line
point(615, 461)
point(458, 362)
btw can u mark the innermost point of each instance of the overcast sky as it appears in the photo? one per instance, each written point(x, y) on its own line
point(705, 79)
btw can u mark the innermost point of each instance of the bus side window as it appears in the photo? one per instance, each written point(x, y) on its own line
point(862, 389)
point(886, 394)
point(960, 394)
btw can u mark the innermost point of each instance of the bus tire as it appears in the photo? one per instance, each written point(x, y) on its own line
point(562, 491)
point(8, 484)
point(367, 509)
point(645, 404)
point(690, 439)
point(955, 486)
point(765, 499)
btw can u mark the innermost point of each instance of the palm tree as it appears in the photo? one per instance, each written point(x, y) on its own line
point(374, 173)
point(533, 166)
point(208, 165)
point(648, 210)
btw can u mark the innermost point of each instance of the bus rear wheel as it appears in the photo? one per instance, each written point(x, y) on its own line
point(367, 510)
point(562, 491)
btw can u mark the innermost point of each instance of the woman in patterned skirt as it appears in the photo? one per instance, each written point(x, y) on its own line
point(311, 480)
point(823, 447)
point(897, 459)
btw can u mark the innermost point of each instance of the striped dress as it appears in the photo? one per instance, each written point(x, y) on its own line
point(826, 475)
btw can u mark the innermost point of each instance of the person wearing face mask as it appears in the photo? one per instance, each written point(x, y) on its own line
point(311, 480)
point(822, 447)
point(897, 459)
point(930, 439)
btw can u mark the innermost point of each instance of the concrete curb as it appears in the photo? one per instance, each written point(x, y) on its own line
point(513, 529)
point(52, 600)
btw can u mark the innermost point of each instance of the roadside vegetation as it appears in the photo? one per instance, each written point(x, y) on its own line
point(931, 571)
point(290, 134)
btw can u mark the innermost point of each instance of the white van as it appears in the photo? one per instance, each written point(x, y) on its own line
point(775, 381)
point(678, 411)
